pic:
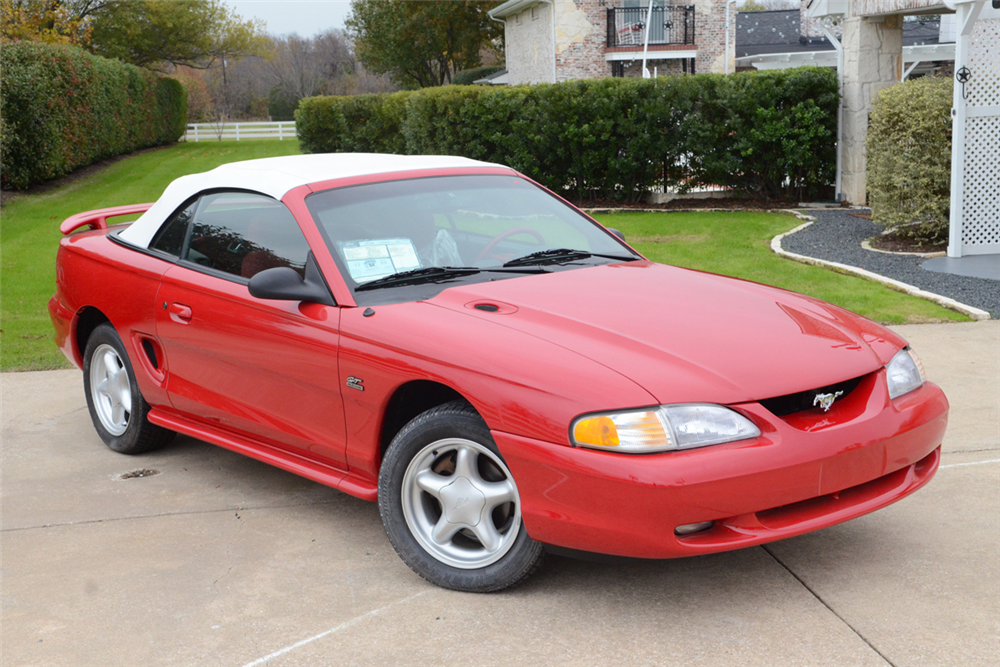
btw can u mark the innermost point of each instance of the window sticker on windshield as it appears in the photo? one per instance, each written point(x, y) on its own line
point(377, 258)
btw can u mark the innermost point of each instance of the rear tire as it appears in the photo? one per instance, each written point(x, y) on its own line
point(450, 506)
point(118, 410)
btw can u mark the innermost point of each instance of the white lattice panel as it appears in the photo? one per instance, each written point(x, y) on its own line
point(981, 178)
point(983, 89)
point(981, 196)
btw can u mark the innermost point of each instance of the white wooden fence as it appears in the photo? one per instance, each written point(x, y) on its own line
point(279, 130)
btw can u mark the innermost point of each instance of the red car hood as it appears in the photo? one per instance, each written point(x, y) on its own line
point(683, 335)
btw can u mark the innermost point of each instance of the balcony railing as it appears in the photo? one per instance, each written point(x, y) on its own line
point(668, 25)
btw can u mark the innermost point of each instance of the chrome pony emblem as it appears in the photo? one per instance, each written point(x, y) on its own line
point(826, 400)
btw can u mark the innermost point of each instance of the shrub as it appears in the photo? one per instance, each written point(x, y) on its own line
point(470, 76)
point(355, 124)
point(909, 157)
point(63, 108)
point(770, 134)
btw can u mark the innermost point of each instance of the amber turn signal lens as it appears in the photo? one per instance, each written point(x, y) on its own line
point(638, 431)
point(667, 427)
point(598, 431)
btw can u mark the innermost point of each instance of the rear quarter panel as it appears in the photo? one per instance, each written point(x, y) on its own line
point(93, 271)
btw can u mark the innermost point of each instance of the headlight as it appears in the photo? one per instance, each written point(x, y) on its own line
point(664, 428)
point(904, 373)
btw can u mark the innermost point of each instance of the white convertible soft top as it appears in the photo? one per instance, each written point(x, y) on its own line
point(275, 176)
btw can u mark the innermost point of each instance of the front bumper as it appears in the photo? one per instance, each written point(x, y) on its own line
point(805, 472)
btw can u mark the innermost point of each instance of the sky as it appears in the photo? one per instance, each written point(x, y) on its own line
point(305, 17)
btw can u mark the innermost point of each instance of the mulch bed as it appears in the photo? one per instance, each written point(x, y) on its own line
point(895, 243)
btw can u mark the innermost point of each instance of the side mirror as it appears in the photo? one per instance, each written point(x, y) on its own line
point(617, 233)
point(286, 284)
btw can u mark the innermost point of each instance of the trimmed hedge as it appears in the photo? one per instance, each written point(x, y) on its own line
point(771, 134)
point(353, 124)
point(63, 108)
point(909, 157)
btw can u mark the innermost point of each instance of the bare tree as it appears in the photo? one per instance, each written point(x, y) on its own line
point(295, 68)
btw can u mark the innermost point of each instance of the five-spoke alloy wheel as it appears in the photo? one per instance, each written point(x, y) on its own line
point(450, 506)
point(116, 406)
point(110, 389)
point(460, 503)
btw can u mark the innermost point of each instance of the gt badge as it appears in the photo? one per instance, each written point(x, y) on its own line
point(355, 383)
point(822, 400)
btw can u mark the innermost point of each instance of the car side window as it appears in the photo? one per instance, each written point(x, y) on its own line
point(170, 238)
point(243, 234)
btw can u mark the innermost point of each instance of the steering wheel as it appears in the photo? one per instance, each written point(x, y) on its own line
point(503, 236)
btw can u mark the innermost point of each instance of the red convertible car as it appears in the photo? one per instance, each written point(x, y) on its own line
point(500, 372)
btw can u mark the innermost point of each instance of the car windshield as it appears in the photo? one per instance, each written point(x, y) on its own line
point(504, 226)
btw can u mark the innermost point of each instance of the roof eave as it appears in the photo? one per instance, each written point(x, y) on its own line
point(512, 7)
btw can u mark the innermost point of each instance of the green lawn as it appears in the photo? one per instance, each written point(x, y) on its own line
point(29, 234)
point(739, 244)
point(735, 244)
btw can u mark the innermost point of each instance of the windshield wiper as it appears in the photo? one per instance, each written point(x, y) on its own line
point(560, 255)
point(433, 274)
point(416, 276)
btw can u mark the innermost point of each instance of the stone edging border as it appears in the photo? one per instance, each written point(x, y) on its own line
point(867, 245)
point(947, 302)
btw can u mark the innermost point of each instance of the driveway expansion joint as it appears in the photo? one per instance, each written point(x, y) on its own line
point(240, 508)
point(823, 602)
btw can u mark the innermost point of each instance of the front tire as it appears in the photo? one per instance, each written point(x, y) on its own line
point(450, 506)
point(116, 407)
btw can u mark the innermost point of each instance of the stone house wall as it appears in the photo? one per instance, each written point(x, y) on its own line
point(581, 38)
point(710, 35)
point(581, 35)
point(529, 45)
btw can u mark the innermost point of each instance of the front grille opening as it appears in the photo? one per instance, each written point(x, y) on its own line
point(804, 400)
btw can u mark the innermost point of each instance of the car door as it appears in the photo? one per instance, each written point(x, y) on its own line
point(265, 368)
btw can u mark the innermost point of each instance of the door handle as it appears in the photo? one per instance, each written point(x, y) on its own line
point(179, 313)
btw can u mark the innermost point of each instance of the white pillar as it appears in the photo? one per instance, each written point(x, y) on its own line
point(966, 14)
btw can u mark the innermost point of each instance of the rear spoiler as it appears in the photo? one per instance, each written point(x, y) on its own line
point(99, 219)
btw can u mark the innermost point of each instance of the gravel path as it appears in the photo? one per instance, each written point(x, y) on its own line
point(837, 237)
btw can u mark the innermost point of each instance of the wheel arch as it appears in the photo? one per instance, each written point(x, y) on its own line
point(408, 401)
point(87, 319)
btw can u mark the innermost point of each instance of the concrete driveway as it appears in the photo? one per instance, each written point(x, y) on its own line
point(220, 560)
